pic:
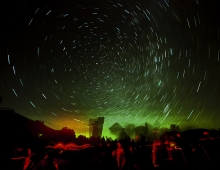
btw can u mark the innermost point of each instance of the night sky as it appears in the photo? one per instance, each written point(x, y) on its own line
point(155, 61)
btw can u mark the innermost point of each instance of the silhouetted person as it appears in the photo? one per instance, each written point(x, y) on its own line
point(27, 159)
point(154, 152)
point(119, 156)
point(129, 157)
point(33, 160)
point(52, 165)
point(36, 160)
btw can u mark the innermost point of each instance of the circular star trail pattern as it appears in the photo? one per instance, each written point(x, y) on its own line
point(155, 61)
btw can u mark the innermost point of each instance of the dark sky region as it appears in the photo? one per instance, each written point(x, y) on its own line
point(155, 61)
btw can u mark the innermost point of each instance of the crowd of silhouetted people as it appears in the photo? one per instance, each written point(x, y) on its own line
point(125, 154)
point(111, 154)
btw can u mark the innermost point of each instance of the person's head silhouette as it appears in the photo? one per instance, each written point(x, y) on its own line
point(119, 145)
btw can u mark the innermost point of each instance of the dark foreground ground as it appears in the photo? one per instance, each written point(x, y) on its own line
point(100, 158)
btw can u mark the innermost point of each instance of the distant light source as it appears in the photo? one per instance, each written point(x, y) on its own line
point(172, 144)
point(40, 134)
point(205, 133)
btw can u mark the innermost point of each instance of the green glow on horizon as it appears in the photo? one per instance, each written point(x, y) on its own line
point(154, 119)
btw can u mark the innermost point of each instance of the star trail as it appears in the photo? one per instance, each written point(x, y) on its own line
point(154, 61)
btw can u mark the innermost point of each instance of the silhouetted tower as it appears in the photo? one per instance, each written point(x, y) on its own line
point(96, 126)
point(100, 125)
point(0, 100)
point(177, 128)
point(174, 127)
point(95, 129)
point(91, 121)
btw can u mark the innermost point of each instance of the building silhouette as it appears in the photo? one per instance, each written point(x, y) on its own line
point(96, 127)
point(141, 131)
point(122, 134)
point(22, 131)
point(174, 127)
point(116, 128)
